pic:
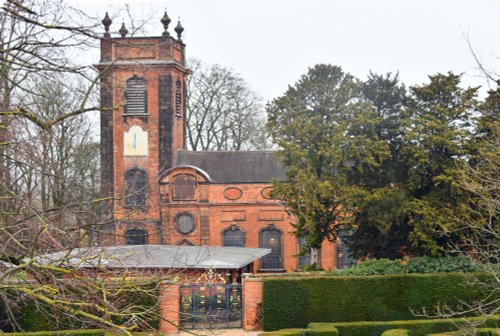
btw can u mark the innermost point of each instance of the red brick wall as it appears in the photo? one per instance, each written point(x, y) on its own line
point(250, 211)
point(169, 308)
point(252, 303)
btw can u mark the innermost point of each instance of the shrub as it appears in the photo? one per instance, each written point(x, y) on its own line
point(285, 332)
point(374, 267)
point(31, 315)
point(415, 327)
point(78, 332)
point(326, 330)
point(443, 264)
point(374, 298)
point(396, 332)
point(422, 265)
point(479, 332)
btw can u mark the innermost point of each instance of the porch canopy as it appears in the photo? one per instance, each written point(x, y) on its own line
point(155, 256)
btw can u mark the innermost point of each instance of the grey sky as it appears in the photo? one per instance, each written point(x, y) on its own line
point(272, 42)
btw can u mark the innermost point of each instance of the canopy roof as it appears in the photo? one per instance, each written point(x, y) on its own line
point(156, 256)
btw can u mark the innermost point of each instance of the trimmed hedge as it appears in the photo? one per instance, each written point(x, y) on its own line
point(415, 327)
point(323, 330)
point(285, 332)
point(79, 332)
point(396, 332)
point(373, 298)
point(479, 332)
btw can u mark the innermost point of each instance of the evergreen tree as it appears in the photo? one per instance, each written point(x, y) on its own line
point(327, 136)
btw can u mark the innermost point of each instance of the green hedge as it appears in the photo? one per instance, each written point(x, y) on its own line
point(323, 330)
point(479, 332)
point(79, 332)
point(396, 332)
point(416, 327)
point(294, 302)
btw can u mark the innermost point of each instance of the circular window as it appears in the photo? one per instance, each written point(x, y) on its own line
point(184, 223)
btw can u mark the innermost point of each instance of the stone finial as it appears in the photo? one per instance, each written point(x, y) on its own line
point(106, 22)
point(165, 20)
point(123, 30)
point(179, 29)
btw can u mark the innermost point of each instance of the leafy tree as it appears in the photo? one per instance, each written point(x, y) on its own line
point(327, 135)
point(223, 113)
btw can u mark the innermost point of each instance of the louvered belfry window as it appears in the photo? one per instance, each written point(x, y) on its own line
point(136, 96)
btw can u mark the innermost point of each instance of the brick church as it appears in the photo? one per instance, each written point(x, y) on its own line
point(164, 194)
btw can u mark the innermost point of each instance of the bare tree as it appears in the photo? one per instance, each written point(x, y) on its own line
point(223, 113)
point(48, 166)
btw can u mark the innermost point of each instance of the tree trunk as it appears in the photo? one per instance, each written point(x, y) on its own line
point(315, 256)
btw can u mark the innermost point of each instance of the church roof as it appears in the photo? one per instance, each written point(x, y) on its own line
point(156, 256)
point(235, 167)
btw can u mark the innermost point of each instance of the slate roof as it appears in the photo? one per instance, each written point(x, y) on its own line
point(235, 167)
point(156, 256)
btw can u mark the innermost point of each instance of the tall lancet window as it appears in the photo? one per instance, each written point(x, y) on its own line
point(136, 97)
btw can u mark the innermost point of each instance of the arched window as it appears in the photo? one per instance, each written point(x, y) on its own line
point(304, 259)
point(271, 238)
point(344, 255)
point(233, 236)
point(136, 96)
point(184, 187)
point(136, 237)
point(136, 188)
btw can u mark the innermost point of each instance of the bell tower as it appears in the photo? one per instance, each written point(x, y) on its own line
point(143, 93)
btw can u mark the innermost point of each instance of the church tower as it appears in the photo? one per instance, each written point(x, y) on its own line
point(143, 93)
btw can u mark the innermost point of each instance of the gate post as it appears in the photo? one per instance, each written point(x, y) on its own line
point(252, 301)
point(169, 307)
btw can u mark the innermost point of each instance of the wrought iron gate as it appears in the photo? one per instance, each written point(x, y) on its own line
point(211, 306)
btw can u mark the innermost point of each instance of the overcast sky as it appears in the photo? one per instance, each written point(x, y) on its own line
point(272, 42)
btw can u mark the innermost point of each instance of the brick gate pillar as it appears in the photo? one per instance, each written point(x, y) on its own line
point(169, 307)
point(252, 302)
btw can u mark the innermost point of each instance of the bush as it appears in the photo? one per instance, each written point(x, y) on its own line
point(325, 330)
point(420, 265)
point(285, 332)
point(374, 267)
point(415, 327)
point(79, 332)
point(375, 298)
point(479, 332)
point(396, 332)
point(32, 315)
point(443, 264)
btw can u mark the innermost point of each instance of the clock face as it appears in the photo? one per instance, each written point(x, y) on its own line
point(184, 223)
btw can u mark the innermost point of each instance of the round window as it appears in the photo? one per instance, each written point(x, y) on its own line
point(184, 223)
